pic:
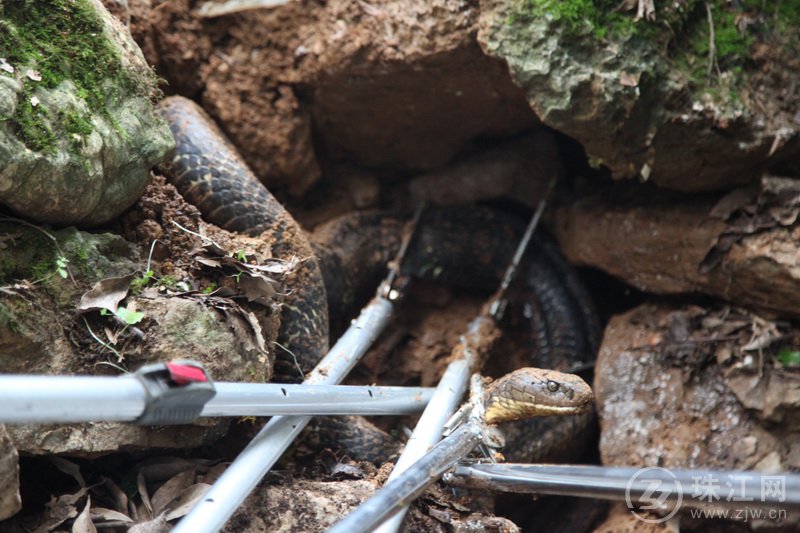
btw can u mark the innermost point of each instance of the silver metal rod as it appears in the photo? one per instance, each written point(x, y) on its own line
point(26, 399)
point(271, 399)
point(39, 399)
point(242, 476)
point(497, 307)
point(693, 488)
point(399, 493)
point(428, 430)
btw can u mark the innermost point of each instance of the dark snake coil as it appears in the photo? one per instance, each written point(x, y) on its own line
point(346, 258)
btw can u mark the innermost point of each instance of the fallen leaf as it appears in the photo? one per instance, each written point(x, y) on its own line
point(170, 490)
point(120, 498)
point(5, 66)
point(156, 525)
point(83, 524)
point(145, 495)
point(69, 468)
point(186, 500)
point(106, 294)
point(33, 75)
point(258, 288)
point(628, 80)
point(101, 514)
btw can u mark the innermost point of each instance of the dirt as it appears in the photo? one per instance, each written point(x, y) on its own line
point(310, 82)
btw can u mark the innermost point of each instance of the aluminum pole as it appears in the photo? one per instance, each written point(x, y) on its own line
point(242, 476)
point(27, 399)
point(747, 488)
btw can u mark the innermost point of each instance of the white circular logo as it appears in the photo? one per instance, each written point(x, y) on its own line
point(654, 490)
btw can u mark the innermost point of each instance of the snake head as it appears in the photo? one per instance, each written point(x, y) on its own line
point(530, 392)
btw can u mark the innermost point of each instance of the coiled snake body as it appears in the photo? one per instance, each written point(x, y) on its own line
point(347, 257)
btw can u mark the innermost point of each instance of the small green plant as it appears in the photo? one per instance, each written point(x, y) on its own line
point(129, 316)
point(789, 357)
point(241, 256)
point(138, 284)
point(61, 266)
point(211, 288)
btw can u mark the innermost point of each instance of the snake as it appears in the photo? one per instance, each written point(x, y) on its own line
point(342, 262)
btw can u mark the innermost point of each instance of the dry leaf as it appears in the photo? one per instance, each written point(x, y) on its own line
point(69, 468)
point(156, 525)
point(171, 489)
point(186, 500)
point(101, 514)
point(83, 524)
point(6, 66)
point(628, 80)
point(106, 294)
point(120, 498)
point(145, 495)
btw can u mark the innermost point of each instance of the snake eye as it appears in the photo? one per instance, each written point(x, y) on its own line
point(552, 386)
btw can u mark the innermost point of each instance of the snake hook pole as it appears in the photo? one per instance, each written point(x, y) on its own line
point(467, 358)
point(240, 479)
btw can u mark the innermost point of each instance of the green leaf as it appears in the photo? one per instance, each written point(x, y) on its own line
point(789, 357)
point(241, 256)
point(130, 317)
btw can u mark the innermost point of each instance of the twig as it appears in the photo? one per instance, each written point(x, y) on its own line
point(712, 45)
point(46, 234)
point(120, 357)
point(294, 358)
point(212, 9)
point(150, 255)
point(203, 237)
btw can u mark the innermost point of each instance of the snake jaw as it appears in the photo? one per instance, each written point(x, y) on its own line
point(530, 392)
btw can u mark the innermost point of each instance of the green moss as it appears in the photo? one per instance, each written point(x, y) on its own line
point(62, 39)
point(601, 19)
point(8, 319)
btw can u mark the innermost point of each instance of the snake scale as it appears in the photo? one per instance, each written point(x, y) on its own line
point(344, 260)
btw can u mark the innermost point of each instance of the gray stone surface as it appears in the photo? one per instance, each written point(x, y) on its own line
point(10, 501)
point(632, 109)
point(91, 181)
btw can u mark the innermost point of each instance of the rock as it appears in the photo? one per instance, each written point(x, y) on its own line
point(299, 506)
point(78, 137)
point(303, 505)
point(407, 86)
point(403, 84)
point(669, 243)
point(40, 331)
point(102, 438)
point(633, 94)
point(621, 520)
point(663, 400)
point(520, 169)
point(10, 502)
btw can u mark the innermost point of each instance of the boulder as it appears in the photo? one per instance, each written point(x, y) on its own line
point(740, 247)
point(637, 94)
point(401, 84)
point(78, 134)
point(673, 388)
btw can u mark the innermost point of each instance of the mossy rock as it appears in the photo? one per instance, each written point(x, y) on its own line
point(63, 263)
point(78, 132)
point(636, 94)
